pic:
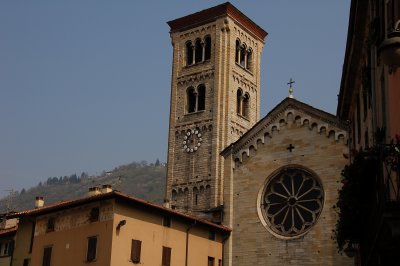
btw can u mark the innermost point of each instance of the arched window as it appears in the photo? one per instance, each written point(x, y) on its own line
point(239, 96)
point(237, 52)
point(201, 98)
point(195, 196)
point(189, 53)
point(243, 56)
point(207, 44)
point(249, 64)
point(196, 99)
point(208, 196)
point(191, 100)
point(245, 105)
point(242, 103)
point(198, 51)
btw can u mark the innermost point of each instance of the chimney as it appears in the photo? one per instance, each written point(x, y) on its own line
point(106, 189)
point(39, 202)
point(94, 191)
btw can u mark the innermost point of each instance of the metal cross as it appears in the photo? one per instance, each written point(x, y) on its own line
point(290, 148)
point(290, 88)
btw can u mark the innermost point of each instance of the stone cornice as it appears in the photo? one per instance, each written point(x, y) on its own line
point(243, 81)
point(192, 78)
point(212, 14)
point(306, 115)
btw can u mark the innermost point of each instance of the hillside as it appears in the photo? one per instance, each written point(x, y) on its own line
point(137, 179)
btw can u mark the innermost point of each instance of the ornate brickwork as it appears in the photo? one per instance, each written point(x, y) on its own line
point(195, 178)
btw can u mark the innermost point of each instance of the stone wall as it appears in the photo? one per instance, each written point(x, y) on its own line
point(318, 146)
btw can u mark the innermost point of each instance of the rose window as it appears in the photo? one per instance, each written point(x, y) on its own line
point(292, 202)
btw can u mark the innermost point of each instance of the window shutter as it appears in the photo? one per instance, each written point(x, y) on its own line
point(10, 248)
point(166, 256)
point(91, 251)
point(26, 262)
point(136, 250)
point(47, 256)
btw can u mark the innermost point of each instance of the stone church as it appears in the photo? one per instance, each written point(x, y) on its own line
point(273, 180)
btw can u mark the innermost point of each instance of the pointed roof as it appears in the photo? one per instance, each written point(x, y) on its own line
point(304, 111)
point(213, 13)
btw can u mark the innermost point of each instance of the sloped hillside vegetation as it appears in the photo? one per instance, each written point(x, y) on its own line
point(139, 179)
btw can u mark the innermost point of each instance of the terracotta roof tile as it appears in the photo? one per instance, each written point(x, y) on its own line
point(8, 231)
point(117, 195)
point(213, 13)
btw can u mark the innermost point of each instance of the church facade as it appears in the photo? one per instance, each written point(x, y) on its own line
point(281, 183)
point(275, 180)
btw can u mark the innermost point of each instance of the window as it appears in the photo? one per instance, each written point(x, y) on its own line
point(51, 224)
point(201, 91)
point(26, 262)
point(292, 201)
point(47, 256)
point(242, 103)
point(249, 59)
point(245, 106)
point(243, 55)
point(207, 48)
point(237, 52)
point(166, 256)
point(219, 262)
point(189, 53)
point(198, 51)
point(191, 100)
point(210, 261)
point(135, 250)
point(196, 99)
point(6, 248)
point(239, 96)
point(167, 221)
point(94, 214)
point(91, 248)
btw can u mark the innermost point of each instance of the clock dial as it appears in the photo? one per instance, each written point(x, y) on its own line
point(192, 140)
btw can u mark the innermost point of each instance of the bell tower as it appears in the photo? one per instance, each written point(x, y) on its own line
point(215, 99)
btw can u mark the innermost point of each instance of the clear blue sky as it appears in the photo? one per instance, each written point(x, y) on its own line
point(85, 85)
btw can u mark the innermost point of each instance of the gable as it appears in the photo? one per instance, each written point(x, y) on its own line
point(290, 113)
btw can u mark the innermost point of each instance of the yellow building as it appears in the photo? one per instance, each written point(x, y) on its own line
point(113, 228)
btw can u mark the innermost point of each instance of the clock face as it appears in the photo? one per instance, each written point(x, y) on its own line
point(192, 140)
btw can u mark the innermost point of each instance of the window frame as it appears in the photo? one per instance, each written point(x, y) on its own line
point(210, 261)
point(166, 256)
point(51, 224)
point(47, 252)
point(94, 215)
point(136, 250)
point(89, 256)
point(244, 56)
